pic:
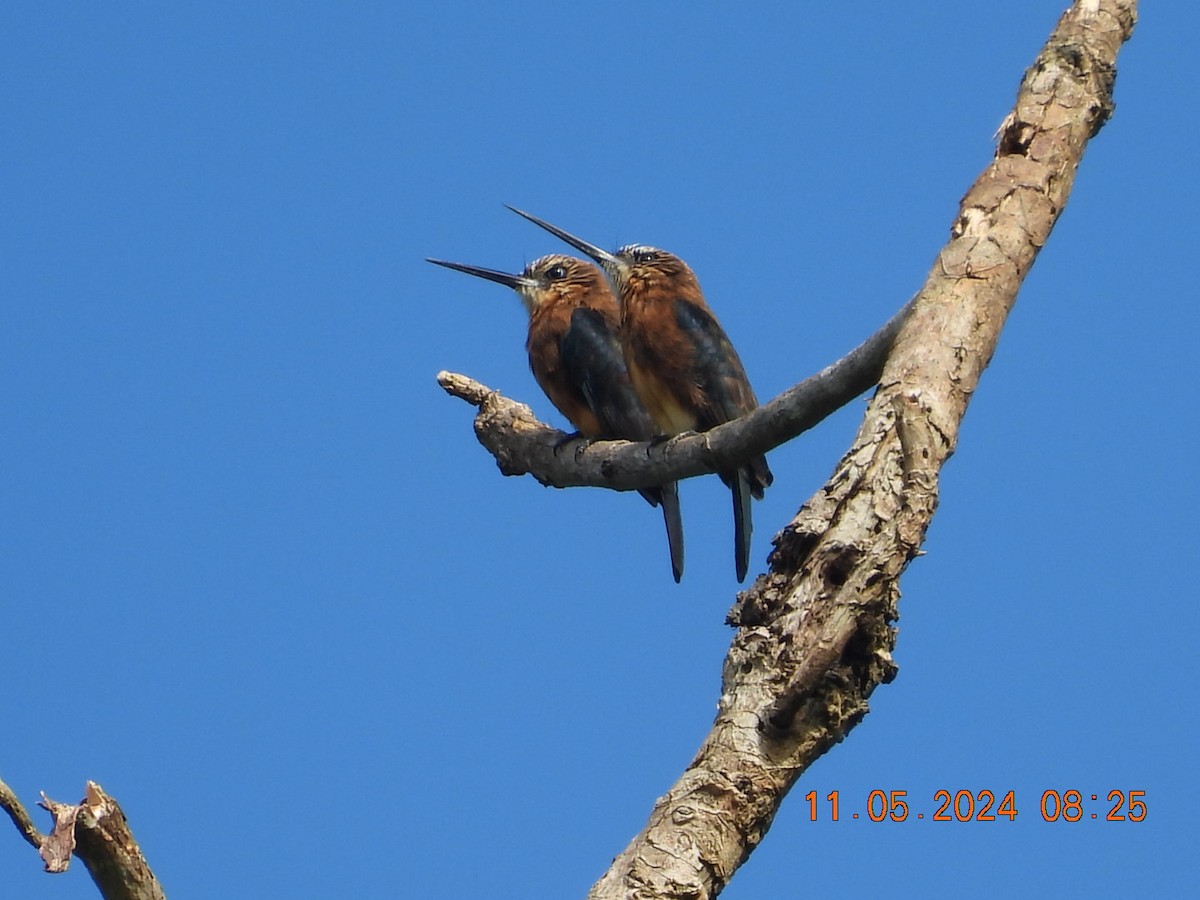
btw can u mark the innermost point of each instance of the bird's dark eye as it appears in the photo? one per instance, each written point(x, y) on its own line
point(556, 273)
point(644, 256)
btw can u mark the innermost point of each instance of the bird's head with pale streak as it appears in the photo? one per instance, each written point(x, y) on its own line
point(546, 280)
point(562, 279)
point(651, 269)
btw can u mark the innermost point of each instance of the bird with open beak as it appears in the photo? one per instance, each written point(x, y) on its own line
point(576, 358)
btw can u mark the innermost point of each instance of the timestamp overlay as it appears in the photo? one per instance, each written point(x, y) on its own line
point(1113, 805)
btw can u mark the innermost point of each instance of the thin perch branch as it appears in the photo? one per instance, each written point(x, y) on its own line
point(524, 445)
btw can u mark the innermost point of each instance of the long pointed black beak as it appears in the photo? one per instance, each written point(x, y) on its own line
point(516, 282)
point(609, 262)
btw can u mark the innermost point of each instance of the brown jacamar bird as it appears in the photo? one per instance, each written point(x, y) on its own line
point(575, 355)
point(682, 364)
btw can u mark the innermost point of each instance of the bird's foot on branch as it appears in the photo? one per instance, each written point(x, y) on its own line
point(574, 437)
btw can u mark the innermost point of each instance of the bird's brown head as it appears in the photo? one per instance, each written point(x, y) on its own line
point(564, 279)
point(548, 280)
point(648, 269)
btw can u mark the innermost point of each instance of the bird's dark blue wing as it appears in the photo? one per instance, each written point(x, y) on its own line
point(723, 391)
point(592, 360)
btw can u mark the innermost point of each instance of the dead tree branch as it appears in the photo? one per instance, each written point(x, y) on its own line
point(97, 832)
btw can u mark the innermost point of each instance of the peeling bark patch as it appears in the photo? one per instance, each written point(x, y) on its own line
point(60, 843)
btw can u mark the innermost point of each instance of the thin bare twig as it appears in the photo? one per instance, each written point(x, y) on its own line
point(20, 817)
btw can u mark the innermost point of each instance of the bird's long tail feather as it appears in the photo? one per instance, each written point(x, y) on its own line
point(742, 525)
point(674, 521)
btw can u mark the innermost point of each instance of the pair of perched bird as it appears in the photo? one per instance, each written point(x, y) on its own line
point(650, 361)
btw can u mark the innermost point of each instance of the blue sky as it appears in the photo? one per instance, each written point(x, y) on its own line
point(262, 584)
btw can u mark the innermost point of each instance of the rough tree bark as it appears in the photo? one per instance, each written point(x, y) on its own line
point(815, 632)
